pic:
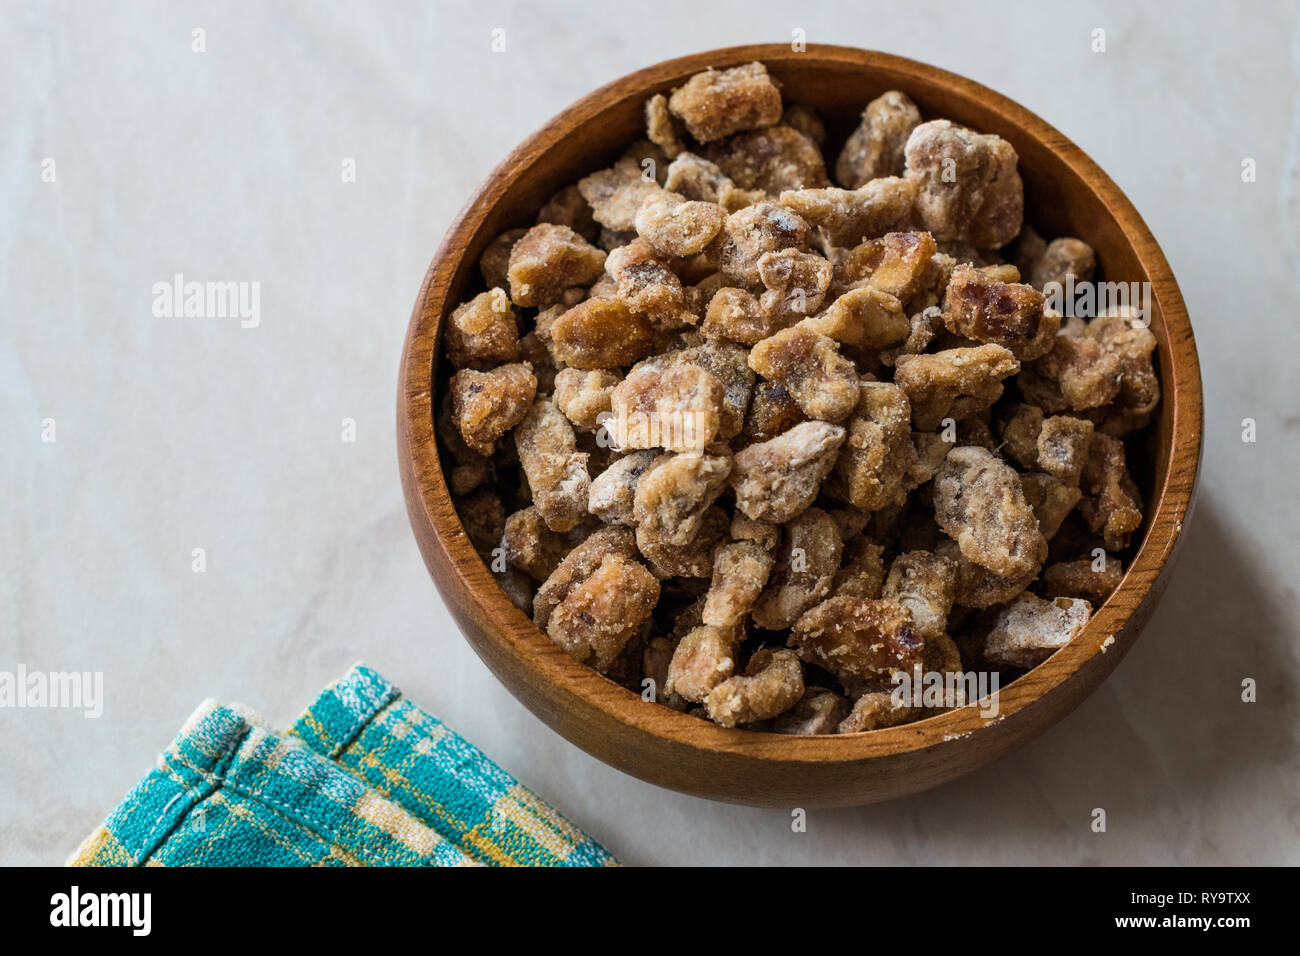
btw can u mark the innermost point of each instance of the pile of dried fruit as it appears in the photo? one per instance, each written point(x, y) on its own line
point(766, 442)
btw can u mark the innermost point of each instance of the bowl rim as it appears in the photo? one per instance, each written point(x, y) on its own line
point(514, 634)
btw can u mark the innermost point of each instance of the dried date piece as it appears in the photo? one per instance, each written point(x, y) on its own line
point(673, 495)
point(979, 503)
point(577, 566)
point(1063, 445)
point(704, 658)
point(1091, 578)
point(667, 403)
point(692, 560)
point(735, 314)
point(925, 584)
point(717, 103)
point(1030, 630)
point(771, 412)
point(823, 383)
point(875, 148)
point(548, 260)
point(968, 189)
point(777, 480)
point(806, 565)
point(874, 467)
point(659, 126)
point(584, 395)
point(677, 226)
point(568, 208)
point(985, 309)
point(862, 573)
point(601, 334)
point(1063, 257)
point(696, 178)
point(796, 284)
point(555, 469)
point(613, 491)
point(740, 570)
point(762, 533)
point(979, 587)
point(771, 685)
point(953, 383)
point(494, 263)
point(482, 333)
point(616, 194)
point(898, 263)
point(486, 405)
point(772, 160)
point(819, 711)
point(855, 637)
point(1110, 360)
point(864, 317)
point(877, 710)
point(1051, 498)
point(466, 469)
point(851, 216)
point(599, 616)
point(1110, 502)
point(751, 232)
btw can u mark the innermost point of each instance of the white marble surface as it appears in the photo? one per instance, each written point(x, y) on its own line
point(174, 434)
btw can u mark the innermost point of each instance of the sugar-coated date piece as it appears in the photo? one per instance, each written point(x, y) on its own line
point(555, 469)
point(823, 383)
point(482, 332)
point(1030, 630)
point(864, 317)
point(740, 570)
point(876, 710)
point(601, 334)
point(925, 583)
point(897, 263)
point(1111, 503)
point(875, 148)
point(577, 566)
point(717, 103)
point(549, 259)
point(850, 216)
point(674, 493)
point(486, 405)
point(953, 383)
point(613, 491)
point(985, 309)
point(979, 503)
point(772, 160)
point(568, 208)
point(677, 226)
point(704, 658)
point(875, 465)
point(597, 618)
point(667, 403)
point(1093, 578)
point(776, 480)
point(856, 637)
point(772, 684)
point(772, 411)
point(967, 186)
point(751, 232)
point(806, 565)
point(818, 711)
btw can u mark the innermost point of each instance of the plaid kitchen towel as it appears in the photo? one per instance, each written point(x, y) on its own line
point(365, 778)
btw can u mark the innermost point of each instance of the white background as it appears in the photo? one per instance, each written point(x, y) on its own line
point(174, 434)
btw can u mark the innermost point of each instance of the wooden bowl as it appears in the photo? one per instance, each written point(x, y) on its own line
point(1066, 194)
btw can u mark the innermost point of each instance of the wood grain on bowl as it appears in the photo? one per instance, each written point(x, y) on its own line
point(1068, 195)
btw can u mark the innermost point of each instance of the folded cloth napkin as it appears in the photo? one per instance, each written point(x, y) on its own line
point(364, 778)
